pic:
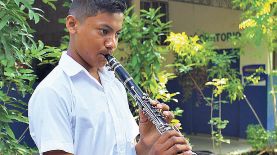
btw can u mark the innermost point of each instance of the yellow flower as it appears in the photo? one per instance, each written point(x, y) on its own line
point(178, 41)
point(222, 81)
point(264, 29)
point(247, 23)
point(195, 39)
point(184, 45)
point(265, 9)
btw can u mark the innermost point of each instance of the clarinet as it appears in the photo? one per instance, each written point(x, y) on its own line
point(141, 98)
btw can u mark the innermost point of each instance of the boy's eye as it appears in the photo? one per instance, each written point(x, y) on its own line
point(117, 34)
point(104, 31)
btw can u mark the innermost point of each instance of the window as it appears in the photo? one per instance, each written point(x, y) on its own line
point(129, 3)
point(146, 4)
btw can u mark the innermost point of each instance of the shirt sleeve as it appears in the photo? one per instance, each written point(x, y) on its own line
point(49, 121)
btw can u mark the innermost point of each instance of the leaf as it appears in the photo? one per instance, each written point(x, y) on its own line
point(4, 118)
point(36, 18)
point(52, 6)
point(18, 117)
point(27, 3)
point(4, 108)
point(8, 54)
point(9, 131)
point(17, 2)
point(18, 53)
point(4, 21)
point(31, 14)
point(2, 13)
point(3, 4)
point(26, 71)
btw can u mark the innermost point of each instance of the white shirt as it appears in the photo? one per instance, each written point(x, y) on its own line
point(71, 111)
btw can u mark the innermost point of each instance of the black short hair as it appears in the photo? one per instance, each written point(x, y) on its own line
point(82, 9)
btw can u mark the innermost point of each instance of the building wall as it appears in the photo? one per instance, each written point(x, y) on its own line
point(192, 18)
point(223, 22)
point(196, 19)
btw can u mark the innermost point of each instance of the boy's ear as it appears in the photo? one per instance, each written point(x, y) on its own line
point(71, 24)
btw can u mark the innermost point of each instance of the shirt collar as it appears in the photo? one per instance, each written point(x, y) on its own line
point(69, 65)
point(71, 68)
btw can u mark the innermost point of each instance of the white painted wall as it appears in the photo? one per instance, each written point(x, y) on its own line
point(193, 19)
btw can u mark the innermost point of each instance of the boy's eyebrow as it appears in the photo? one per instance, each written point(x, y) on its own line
point(109, 27)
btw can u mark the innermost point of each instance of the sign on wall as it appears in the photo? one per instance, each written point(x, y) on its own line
point(219, 37)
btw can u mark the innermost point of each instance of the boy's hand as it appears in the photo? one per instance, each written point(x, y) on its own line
point(153, 143)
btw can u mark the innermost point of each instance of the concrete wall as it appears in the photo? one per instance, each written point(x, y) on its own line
point(192, 18)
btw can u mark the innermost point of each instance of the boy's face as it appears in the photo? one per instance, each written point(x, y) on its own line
point(94, 37)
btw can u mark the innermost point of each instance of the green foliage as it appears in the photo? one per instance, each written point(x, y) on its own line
point(190, 54)
point(258, 20)
point(193, 54)
point(217, 124)
point(50, 3)
point(216, 134)
point(219, 84)
point(255, 77)
point(65, 39)
point(260, 139)
point(142, 54)
point(178, 112)
point(259, 25)
point(17, 50)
